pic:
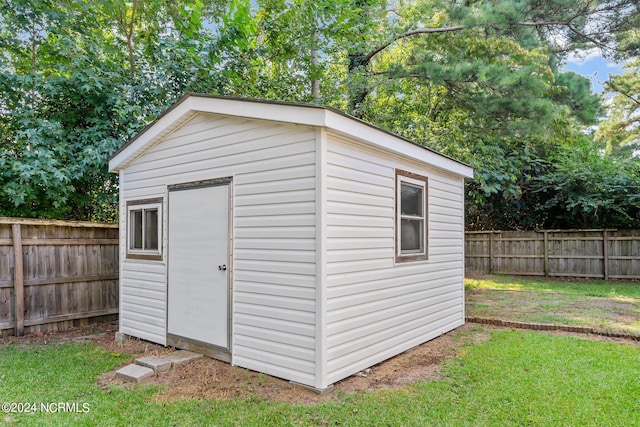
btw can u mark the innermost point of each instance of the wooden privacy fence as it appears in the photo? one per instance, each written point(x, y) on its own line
point(607, 254)
point(56, 274)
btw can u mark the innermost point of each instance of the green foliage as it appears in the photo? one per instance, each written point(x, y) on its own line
point(71, 97)
point(54, 139)
point(476, 80)
point(586, 189)
point(500, 196)
point(620, 130)
point(487, 93)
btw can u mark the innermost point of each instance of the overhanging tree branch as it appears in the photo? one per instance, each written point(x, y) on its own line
point(561, 23)
point(134, 8)
point(412, 33)
point(631, 98)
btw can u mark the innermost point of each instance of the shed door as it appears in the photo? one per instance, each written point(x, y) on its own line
point(198, 277)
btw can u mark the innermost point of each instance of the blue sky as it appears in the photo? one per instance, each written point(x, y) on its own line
point(595, 68)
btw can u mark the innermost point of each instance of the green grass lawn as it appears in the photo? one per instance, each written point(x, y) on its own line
point(596, 288)
point(513, 378)
point(606, 306)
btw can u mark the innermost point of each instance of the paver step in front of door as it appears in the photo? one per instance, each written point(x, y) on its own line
point(167, 361)
point(144, 367)
point(134, 373)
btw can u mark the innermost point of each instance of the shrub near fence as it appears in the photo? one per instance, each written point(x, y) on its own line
point(56, 274)
point(608, 254)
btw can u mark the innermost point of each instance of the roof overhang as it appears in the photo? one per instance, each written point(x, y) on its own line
point(301, 114)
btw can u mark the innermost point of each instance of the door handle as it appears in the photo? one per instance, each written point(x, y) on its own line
point(222, 267)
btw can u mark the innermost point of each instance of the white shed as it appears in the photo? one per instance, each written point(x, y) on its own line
point(289, 239)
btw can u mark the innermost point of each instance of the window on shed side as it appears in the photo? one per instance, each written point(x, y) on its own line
point(411, 217)
point(144, 229)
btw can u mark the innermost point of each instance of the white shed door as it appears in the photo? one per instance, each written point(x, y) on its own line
point(198, 241)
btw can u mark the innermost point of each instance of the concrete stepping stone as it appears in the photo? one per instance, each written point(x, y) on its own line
point(144, 367)
point(182, 356)
point(134, 373)
point(157, 363)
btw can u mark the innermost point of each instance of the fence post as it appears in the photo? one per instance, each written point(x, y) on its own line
point(605, 253)
point(490, 251)
point(546, 253)
point(18, 279)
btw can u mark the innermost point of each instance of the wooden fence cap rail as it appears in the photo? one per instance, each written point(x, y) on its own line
point(34, 221)
point(579, 230)
point(566, 230)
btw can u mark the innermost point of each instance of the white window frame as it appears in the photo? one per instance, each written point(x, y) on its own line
point(144, 205)
point(414, 180)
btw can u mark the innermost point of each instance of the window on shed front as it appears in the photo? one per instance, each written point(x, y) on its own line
point(411, 217)
point(144, 229)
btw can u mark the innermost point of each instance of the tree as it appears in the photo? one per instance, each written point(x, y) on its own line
point(620, 130)
point(586, 189)
point(476, 80)
point(77, 79)
point(478, 84)
point(53, 139)
point(562, 26)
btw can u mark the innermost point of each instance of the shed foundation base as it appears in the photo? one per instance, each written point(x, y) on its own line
point(319, 391)
point(122, 337)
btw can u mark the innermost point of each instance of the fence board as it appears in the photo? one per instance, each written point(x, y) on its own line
point(603, 253)
point(69, 274)
point(18, 279)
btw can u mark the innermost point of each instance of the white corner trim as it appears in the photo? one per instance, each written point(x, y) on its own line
point(321, 358)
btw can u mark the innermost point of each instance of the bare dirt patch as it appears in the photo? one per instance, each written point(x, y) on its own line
point(211, 379)
point(206, 378)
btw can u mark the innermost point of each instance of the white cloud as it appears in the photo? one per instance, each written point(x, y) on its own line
point(593, 66)
point(579, 57)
